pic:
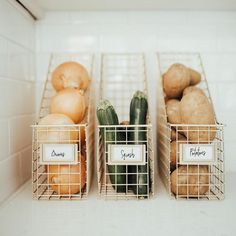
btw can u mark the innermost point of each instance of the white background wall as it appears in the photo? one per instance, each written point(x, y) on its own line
point(213, 34)
point(17, 97)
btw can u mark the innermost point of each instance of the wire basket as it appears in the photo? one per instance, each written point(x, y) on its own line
point(185, 178)
point(68, 178)
point(121, 76)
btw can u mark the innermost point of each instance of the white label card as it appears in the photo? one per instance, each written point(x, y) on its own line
point(201, 154)
point(59, 154)
point(126, 154)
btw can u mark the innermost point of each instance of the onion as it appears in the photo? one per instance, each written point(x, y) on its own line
point(67, 179)
point(58, 134)
point(70, 102)
point(70, 75)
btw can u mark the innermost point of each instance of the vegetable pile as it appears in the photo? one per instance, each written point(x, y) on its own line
point(137, 180)
point(68, 107)
point(187, 104)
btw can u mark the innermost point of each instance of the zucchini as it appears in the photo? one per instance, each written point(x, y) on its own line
point(137, 135)
point(107, 116)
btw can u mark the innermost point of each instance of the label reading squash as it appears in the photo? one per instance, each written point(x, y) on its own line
point(201, 154)
point(58, 154)
point(126, 154)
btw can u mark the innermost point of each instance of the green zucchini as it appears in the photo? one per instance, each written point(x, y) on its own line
point(138, 112)
point(107, 116)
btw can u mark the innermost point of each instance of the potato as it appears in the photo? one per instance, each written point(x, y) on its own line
point(173, 152)
point(195, 77)
point(173, 111)
point(195, 108)
point(193, 180)
point(166, 99)
point(191, 89)
point(175, 80)
point(174, 135)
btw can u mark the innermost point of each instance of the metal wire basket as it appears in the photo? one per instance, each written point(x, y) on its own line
point(189, 179)
point(121, 76)
point(72, 177)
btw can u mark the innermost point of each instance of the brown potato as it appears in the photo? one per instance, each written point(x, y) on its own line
point(195, 77)
point(174, 135)
point(193, 180)
point(191, 89)
point(173, 111)
point(166, 99)
point(174, 152)
point(195, 108)
point(175, 80)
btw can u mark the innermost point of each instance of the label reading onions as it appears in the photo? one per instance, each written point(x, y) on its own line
point(58, 154)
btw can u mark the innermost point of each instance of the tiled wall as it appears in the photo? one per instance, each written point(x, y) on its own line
point(211, 33)
point(17, 96)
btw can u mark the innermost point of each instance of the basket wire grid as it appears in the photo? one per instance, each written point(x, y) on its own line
point(77, 176)
point(121, 76)
point(212, 179)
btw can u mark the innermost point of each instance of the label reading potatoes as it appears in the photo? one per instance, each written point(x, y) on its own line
point(126, 154)
point(201, 154)
point(58, 154)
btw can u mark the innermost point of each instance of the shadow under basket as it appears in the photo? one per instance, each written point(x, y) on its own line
point(191, 157)
point(67, 174)
point(121, 76)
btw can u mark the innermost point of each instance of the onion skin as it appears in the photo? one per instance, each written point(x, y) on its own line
point(54, 134)
point(70, 75)
point(65, 183)
point(70, 102)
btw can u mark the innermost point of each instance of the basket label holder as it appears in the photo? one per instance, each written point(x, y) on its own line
point(58, 154)
point(126, 154)
point(200, 154)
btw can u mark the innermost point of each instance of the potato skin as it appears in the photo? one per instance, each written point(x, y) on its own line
point(173, 111)
point(197, 182)
point(173, 152)
point(175, 80)
point(195, 77)
point(195, 108)
point(191, 89)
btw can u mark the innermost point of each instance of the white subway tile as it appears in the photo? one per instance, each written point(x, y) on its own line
point(16, 98)
point(86, 17)
point(230, 163)
point(4, 139)
point(20, 133)
point(32, 66)
point(18, 62)
point(54, 18)
point(42, 64)
point(39, 94)
point(227, 96)
point(10, 177)
point(3, 56)
point(16, 26)
point(117, 43)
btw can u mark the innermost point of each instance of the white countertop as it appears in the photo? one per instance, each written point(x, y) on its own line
point(158, 216)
